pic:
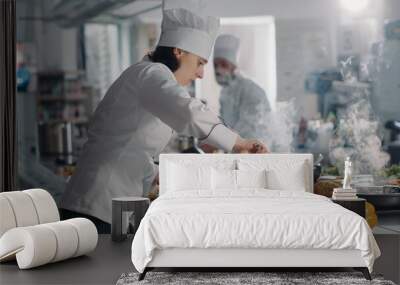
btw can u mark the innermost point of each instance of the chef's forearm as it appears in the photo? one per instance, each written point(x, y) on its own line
point(222, 137)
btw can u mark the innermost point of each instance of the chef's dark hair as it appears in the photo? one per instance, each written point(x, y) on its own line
point(166, 56)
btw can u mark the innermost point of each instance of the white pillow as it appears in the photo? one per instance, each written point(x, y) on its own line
point(223, 179)
point(251, 178)
point(182, 177)
point(281, 174)
point(236, 179)
point(279, 180)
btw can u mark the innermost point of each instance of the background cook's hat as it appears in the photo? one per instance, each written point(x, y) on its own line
point(227, 47)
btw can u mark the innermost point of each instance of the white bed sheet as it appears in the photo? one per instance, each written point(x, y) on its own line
point(251, 218)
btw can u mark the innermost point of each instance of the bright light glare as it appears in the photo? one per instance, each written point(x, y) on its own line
point(354, 5)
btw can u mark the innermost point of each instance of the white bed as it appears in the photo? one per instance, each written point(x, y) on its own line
point(196, 223)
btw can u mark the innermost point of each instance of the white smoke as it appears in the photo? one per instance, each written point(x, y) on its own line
point(279, 127)
point(357, 137)
point(346, 69)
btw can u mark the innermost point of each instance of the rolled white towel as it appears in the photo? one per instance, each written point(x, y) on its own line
point(37, 245)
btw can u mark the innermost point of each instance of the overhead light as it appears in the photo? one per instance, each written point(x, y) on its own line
point(354, 5)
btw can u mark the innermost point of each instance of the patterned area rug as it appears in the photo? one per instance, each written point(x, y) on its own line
point(242, 278)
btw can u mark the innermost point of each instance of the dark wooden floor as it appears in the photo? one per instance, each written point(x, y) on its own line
point(103, 266)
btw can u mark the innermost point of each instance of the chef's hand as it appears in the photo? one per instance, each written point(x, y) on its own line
point(155, 188)
point(207, 148)
point(249, 146)
point(156, 180)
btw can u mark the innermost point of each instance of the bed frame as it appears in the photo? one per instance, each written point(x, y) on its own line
point(248, 259)
point(245, 259)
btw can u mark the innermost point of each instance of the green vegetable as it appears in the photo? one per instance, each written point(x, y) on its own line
point(392, 171)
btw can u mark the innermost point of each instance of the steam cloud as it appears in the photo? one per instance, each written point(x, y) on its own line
point(357, 137)
point(279, 127)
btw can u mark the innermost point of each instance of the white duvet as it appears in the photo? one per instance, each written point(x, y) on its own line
point(253, 218)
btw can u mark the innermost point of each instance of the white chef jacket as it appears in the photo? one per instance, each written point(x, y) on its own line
point(131, 125)
point(244, 107)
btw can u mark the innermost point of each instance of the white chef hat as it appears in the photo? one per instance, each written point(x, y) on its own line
point(227, 47)
point(186, 26)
